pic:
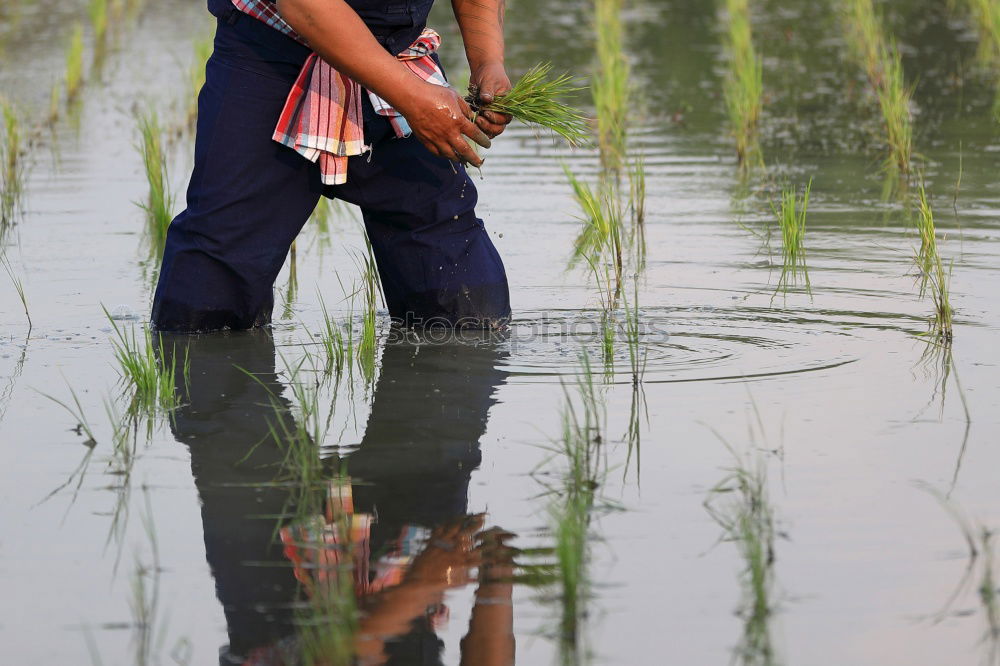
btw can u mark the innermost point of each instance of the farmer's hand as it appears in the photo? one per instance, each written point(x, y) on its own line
point(450, 554)
point(491, 81)
point(439, 117)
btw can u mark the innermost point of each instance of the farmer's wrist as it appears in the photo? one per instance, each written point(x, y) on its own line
point(479, 63)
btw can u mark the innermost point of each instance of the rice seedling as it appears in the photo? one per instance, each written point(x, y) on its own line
point(196, 75)
point(19, 287)
point(160, 202)
point(633, 335)
point(74, 64)
point(610, 88)
point(637, 205)
point(535, 101)
point(12, 167)
point(599, 243)
point(336, 346)
point(370, 289)
point(98, 11)
point(933, 276)
point(142, 366)
point(791, 215)
point(740, 504)
point(292, 288)
point(881, 60)
point(744, 84)
point(55, 102)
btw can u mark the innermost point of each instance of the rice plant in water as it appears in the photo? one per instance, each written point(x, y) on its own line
point(98, 11)
point(933, 276)
point(535, 101)
point(637, 205)
point(370, 290)
point(881, 60)
point(74, 63)
point(599, 243)
point(337, 346)
point(196, 75)
point(18, 286)
point(791, 215)
point(740, 504)
point(142, 366)
point(744, 84)
point(610, 88)
point(986, 16)
point(159, 203)
point(12, 167)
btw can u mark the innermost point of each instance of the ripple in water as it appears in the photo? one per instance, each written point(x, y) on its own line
point(700, 344)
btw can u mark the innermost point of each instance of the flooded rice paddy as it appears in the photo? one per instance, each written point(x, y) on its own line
point(799, 477)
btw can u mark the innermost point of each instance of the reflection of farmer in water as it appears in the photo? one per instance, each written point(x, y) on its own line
point(401, 509)
point(279, 127)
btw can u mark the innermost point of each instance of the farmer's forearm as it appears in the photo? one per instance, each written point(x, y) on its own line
point(481, 22)
point(340, 37)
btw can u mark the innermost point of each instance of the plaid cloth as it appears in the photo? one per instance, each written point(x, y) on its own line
point(322, 118)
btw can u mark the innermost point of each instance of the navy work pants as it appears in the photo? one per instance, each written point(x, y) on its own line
point(249, 197)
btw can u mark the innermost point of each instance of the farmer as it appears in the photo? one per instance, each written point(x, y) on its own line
point(345, 99)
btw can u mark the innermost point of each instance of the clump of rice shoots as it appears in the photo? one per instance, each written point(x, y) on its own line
point(370, 288)
point(74, 63)
point(599, 243)
point(744, 85)
point(535, 101)
point(610, 88)
point(160, 202)
point(986, 15)
point(791, 217)
point(144, 367)
point(12, 167)
point(933, 276)
point(881, 60)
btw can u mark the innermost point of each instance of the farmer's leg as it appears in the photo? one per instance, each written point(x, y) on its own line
point(248, 196)
point(438, 264)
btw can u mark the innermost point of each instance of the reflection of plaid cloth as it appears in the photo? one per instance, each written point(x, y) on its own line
point(322, 118)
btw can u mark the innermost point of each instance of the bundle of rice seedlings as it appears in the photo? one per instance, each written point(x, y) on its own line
point(534, 100)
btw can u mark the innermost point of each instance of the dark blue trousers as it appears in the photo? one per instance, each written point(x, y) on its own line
point(249, 197)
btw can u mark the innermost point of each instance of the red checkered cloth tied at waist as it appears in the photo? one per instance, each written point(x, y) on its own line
point(322, 119)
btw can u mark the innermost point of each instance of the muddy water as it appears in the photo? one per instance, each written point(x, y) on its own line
point(835, 389)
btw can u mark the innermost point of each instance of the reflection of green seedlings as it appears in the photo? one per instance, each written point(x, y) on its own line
point(76, 411)
point(329, 623)
point(880, 57)
point(12, 168)
point(979, 540)
point(740, 505)
point(18, 286)
point(744, 86)
point(583, 470)
point(933, 276)
point(610, 88)
point(152, 381)
point(160, 201)
point(74, 63)
point(600, 241)
point(534, 100)
point(98, 11)
point(196, 75)
point(791, 217)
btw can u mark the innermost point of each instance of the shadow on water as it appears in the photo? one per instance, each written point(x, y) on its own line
point(395, 531)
